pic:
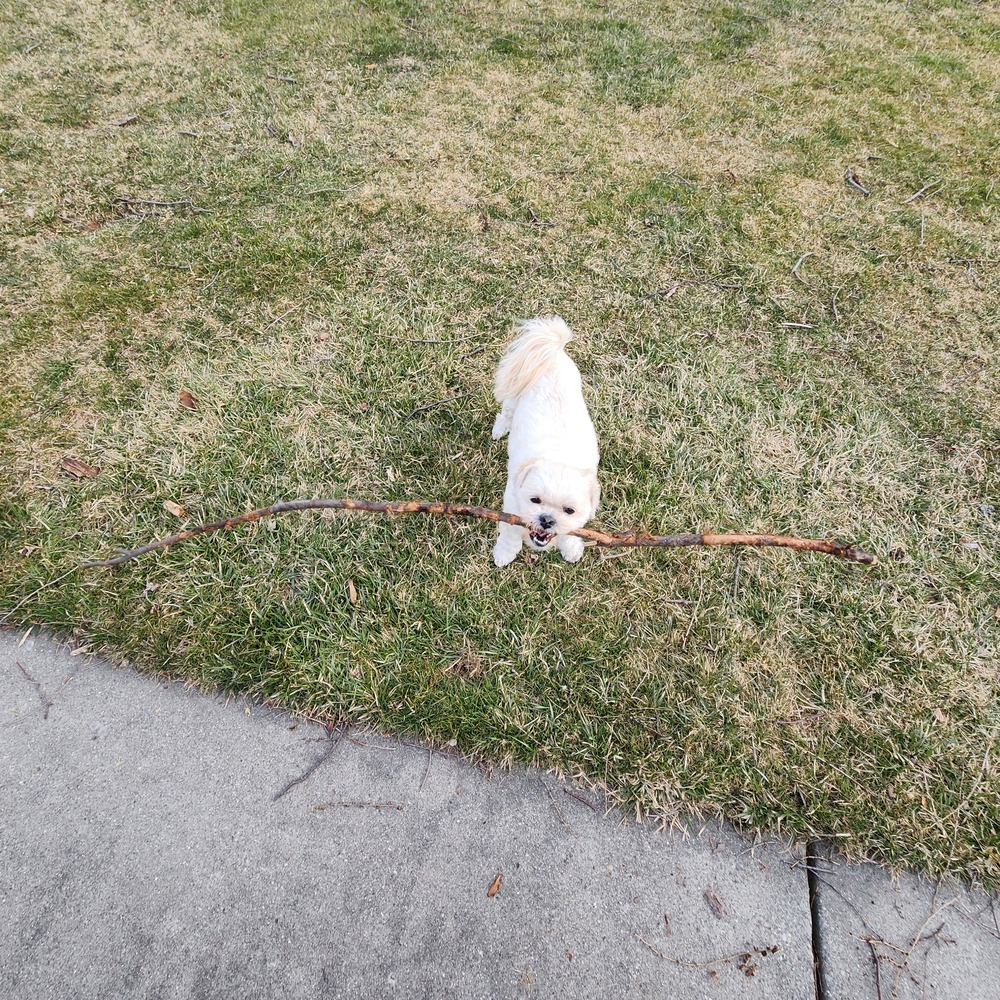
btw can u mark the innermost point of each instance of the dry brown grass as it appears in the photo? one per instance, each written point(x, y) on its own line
point(426, 175)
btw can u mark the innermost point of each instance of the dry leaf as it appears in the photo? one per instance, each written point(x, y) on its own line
point(127, 120)
point(173, 508)
point(940, 715)
point(495, 886)
point(997, 615)
point(715, 904)
point(78, 469)
point(93, 225)
point(188, 400)
point(371, 65)
point(352, 592)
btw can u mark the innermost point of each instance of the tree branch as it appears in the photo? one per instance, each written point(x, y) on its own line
point(602, 538)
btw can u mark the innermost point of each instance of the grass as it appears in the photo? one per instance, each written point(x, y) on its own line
point(764, 349)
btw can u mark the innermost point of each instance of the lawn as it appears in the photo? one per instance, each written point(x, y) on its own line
point(253, 251)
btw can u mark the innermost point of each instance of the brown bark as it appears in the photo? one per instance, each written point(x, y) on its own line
point(611, 540)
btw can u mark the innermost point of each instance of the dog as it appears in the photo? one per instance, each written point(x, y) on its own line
point(552, 452)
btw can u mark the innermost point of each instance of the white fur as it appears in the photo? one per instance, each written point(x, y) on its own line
point(552, 448)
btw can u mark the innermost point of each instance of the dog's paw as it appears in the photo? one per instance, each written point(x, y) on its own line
point(504, 555)
point(501, 425)
point(571, 547)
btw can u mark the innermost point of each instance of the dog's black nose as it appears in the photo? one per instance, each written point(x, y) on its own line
point(546, 521)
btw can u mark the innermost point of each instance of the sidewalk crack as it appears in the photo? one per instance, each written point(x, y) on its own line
point(813, 856)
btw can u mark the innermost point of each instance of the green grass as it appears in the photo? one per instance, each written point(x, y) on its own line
point(763, 349)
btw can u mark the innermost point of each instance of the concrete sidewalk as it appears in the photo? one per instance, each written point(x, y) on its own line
point(158, 842)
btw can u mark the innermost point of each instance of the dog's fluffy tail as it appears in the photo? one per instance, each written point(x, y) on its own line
point(531, 352)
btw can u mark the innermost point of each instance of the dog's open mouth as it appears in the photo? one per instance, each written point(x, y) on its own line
point(541, 538)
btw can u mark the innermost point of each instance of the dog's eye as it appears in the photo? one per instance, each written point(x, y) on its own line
point(569, 510)
point(536, 499)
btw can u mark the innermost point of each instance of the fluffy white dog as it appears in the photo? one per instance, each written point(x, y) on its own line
point(552, 449)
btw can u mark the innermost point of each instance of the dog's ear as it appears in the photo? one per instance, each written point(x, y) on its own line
point(521, 473)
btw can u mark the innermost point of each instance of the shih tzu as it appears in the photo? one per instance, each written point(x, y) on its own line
point(552, 448)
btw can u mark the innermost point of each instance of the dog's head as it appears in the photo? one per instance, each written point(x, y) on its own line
point(554, 499)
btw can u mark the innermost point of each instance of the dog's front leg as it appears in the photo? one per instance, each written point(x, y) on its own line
point(501, 425)
point(571, 547)
point(508, 544)
point(511, 535)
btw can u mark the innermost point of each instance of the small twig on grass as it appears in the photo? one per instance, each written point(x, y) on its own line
point(852, 180)
point(798, 264)
point(669, 291)
point(310, 194)
point(921, 192)
point(419, 340)
point(841, 550)
point(437, 402)
point(287, 312)
point(182, 203)
point(541, 223)
point(665, 293)
point(802, 718)
point(833, 302)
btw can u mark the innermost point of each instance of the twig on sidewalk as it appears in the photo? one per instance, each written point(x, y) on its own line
point(580, 798)
point(427, 768)
point(742, 957)
point(308, 773)
point(878, 974)
point(555, 806)
point(360, 804)
point(45, 700)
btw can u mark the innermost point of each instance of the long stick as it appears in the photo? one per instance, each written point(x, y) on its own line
point(622, 540)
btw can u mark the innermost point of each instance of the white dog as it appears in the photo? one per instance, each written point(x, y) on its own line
point(552, 449)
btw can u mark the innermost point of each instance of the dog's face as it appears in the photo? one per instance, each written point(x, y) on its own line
point(554, 499)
